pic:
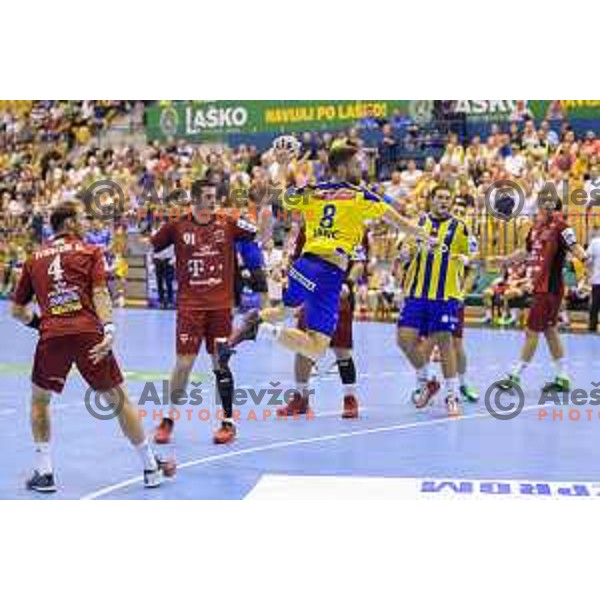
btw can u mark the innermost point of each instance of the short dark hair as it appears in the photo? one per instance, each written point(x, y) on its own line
point(67, 209)
point(341, 154)
point(199, 185)
point(439, 187)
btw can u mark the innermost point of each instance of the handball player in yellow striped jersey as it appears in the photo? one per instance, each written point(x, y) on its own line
point(335, 215)
point(433, 296)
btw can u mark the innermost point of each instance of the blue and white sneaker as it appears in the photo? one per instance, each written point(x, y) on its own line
point(41, 482)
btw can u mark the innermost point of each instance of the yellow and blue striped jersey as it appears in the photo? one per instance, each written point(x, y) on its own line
point(335, 215)
point(438, 274)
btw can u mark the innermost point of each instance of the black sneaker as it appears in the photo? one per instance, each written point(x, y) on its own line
point(153, 478)
point(560, 384)
point(43, 483)
point(248, 329)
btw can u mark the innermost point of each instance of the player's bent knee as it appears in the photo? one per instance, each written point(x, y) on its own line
point(406, 338)
point(40, 395)
point(116, 396)
point(320, 341)
point(185, 362)
point(342, 353)
point(443, 339)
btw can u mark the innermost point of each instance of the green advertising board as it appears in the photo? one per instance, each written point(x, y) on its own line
point(201, 119)
point(212, 119)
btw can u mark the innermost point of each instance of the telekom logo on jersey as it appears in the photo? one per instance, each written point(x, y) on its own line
point(209, 259)
point(198, 267)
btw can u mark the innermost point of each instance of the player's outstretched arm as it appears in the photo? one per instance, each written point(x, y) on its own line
point(401, 223)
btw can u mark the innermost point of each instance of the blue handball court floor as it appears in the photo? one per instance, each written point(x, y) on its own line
point(390, 452)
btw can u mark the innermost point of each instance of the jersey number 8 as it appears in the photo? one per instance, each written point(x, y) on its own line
point(328, 214)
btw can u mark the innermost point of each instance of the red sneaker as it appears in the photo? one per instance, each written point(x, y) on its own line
point(298, 405)
point(164, 432)
point(350, 407)
point(167, 466)
point(225, 434)
point(426, 394)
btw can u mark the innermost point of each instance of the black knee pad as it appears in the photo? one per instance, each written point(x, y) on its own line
point(224, 381)
point(347, 370)
point(258, 281)
point(225, 385)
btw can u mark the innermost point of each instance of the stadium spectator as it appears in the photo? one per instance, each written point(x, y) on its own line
point(395, 188)
point(411, 175)
point(387, 153)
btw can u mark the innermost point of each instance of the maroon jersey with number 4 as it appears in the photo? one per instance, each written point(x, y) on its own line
point(548, 243)
point(204, 255)
point(61, 275)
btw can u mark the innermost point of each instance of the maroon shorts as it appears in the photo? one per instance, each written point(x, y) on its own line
point(544, 311)
point(342, 336)
point(460, 325)
point(193, 326)
point(55, 356)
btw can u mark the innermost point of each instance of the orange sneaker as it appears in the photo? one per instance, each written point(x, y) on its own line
point(298, 405)
point(225, 434)
point(350, 407)
point(164, 432)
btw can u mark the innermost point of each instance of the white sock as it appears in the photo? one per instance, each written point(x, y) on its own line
point(559, 367)
point(147, 456)
point(519, 367)
point(462, 379)
point(430, 371)
point(488, 313)
point(451, 387)
point(514, 313)
point(43, 462)
point(349, 389)
point(422, 375)
point(302, 387)
point(269, 331)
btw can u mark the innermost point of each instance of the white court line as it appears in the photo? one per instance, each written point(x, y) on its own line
point(298, 442)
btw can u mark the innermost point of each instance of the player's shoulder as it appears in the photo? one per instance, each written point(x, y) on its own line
point(423, 219)
point(235, 221)
point(297, 190)
point(461, 225)
point(83, 250)
point(560, 222)
point(338, 191)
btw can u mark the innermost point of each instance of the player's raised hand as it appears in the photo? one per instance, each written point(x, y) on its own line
point(285, 147)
